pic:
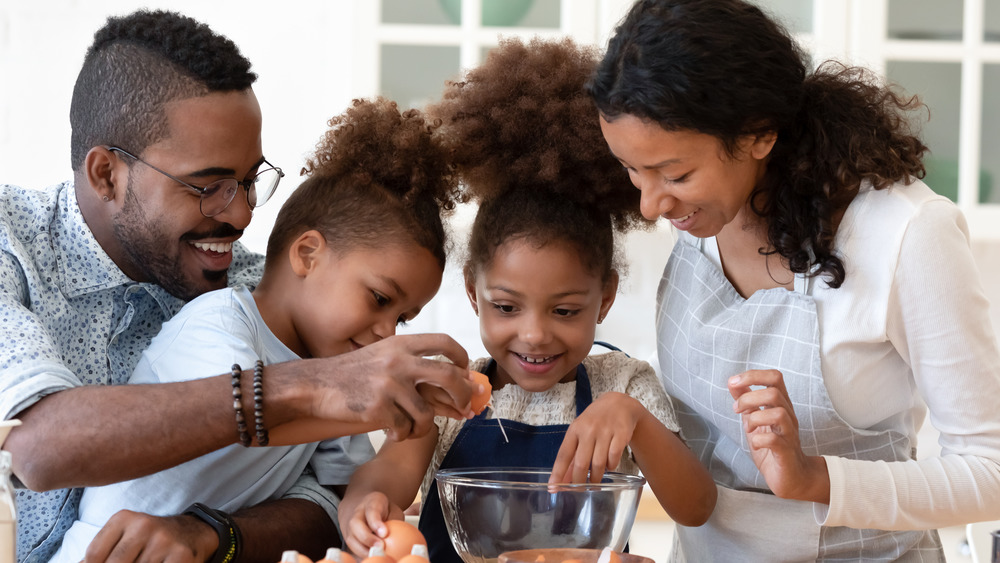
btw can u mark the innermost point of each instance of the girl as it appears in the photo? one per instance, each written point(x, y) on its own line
point(357, 249)
point(817, 281)
point(541, 274)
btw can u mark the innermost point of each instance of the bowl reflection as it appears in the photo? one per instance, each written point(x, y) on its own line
point(489, 511)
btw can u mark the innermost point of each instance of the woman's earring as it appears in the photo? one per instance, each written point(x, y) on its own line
point(106, 198)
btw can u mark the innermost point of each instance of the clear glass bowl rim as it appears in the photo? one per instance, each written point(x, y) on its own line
point(473, 477)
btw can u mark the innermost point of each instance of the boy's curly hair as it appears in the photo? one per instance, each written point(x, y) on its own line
point(137, 64)
point(377, 175)
point(526, 139)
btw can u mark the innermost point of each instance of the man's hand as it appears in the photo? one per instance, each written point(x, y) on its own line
point(134, 536)
point(392, 385)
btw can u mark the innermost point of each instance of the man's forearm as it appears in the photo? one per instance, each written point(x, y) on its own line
point(270, 528)
point(104, 434)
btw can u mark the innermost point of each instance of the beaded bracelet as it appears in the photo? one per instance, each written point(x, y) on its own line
point(241, 422)
point(258, 403)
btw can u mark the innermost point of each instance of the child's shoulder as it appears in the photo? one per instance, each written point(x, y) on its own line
point(617, 367)
point(615, 361)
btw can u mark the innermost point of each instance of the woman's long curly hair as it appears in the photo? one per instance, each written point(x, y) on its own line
point(377, 176)
point(526, 140)
point(724, 68)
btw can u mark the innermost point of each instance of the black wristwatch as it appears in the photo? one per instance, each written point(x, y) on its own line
point(229, 535)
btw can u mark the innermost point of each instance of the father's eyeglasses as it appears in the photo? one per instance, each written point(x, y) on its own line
point(217, 196)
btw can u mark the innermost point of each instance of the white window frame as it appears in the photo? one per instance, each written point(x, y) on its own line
point(579, 20)
point(870, 45)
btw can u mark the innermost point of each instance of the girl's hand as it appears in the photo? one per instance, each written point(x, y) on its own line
point(366, 525)
point(596, 440)
point(772, 431)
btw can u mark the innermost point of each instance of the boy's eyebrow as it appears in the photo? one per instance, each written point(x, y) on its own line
point(395, 286)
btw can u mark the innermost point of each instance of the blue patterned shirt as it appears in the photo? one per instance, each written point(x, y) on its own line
point(70, 317)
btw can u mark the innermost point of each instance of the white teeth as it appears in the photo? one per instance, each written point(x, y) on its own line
point(535, 360)
point(684, 218)
point(221, 247)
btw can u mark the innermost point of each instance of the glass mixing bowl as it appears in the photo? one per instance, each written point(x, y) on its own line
point(489, 511)
point(560, 555)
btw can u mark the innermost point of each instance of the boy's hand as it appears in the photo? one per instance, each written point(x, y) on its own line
point(366, 526)
point(596, 440)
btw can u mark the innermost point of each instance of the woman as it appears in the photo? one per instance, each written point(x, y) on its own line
point(821, 298)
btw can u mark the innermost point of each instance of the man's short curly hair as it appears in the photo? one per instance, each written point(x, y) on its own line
point(377, 175)
point(135, 66)
point(527, 142)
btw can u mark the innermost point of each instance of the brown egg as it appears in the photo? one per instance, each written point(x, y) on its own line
point(480, 400)
point(401, 538)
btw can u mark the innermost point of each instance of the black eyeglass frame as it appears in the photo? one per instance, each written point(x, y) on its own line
point(207, 192)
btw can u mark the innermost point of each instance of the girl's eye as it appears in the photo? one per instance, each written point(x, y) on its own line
point(380, 300)
point(504, 308)
point(401, 321)
point(566, 312)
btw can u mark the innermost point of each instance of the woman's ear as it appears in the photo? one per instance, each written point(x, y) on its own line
point(762, 143)
point(99, 170)
point(470, 290)
point(306, 251)
point(608, 294)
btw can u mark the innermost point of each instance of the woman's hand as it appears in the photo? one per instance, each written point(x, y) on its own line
point(365, 526)
point(129, 535)
point(772, 431)
point(596, 440)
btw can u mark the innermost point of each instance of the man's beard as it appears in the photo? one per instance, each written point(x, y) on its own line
point(146, 244)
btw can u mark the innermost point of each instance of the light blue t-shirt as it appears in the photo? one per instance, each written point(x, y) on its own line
point(210, 334)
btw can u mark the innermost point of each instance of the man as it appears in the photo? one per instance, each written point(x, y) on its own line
point(168, 165)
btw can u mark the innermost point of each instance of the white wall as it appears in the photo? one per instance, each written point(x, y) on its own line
point(304, 52)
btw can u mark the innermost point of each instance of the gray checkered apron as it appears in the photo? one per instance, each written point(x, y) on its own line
point(707, 333)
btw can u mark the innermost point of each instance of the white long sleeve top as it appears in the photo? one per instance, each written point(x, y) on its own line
point(906, 334)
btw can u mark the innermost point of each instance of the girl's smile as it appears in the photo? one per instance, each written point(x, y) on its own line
point(538, 309)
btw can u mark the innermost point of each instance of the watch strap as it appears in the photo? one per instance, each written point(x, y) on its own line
point(230, 541)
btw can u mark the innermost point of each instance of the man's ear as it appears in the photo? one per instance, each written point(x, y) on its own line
point(608, 294)
point(470, 290)
point(100, 170)
point(306, 251)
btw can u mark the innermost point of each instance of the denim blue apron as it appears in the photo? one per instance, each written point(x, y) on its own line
point(480, 443)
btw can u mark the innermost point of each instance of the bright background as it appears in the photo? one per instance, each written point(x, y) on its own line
point(314, 56)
